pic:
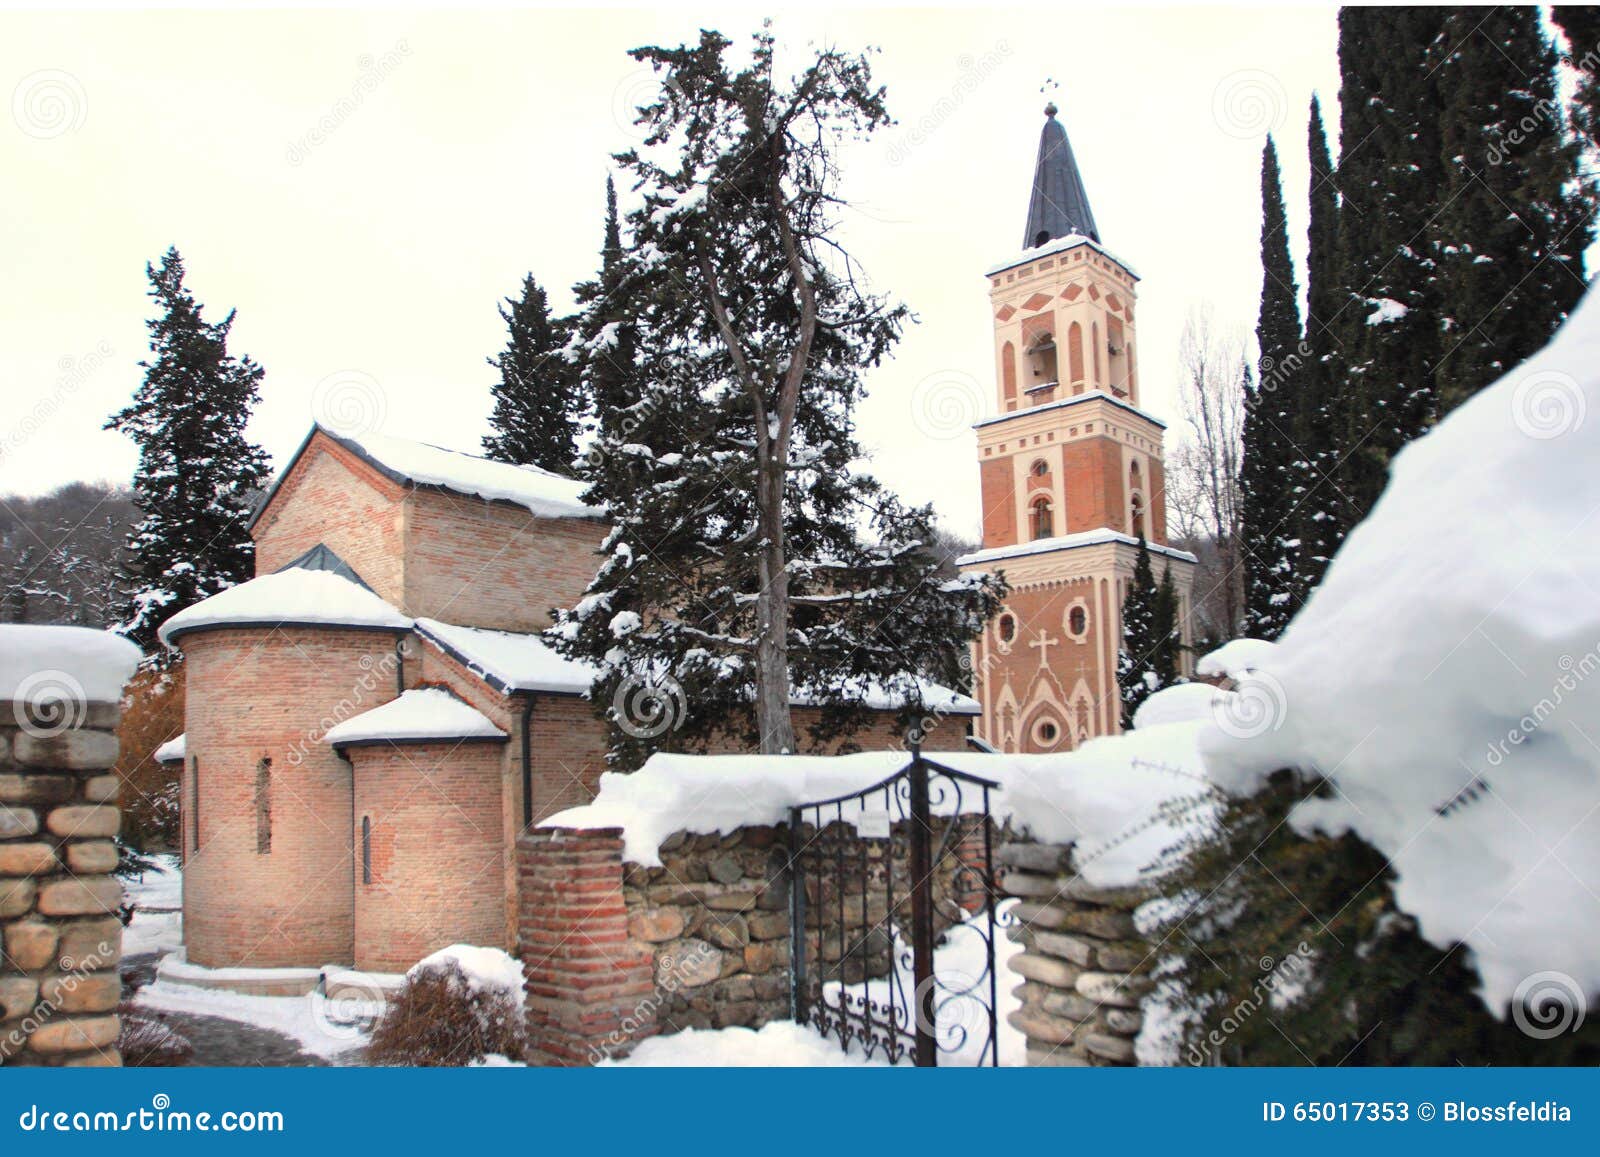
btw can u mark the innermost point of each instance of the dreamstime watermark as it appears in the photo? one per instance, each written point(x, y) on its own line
point(674, 970)
point(1547, 404)
point(364, 691)
point(1548, 1004)
point(945, 404)
point(1257, 704)
point(971, 72)
point(349, 403)
point(1279, 978)
point(1247, 103)
point(372, 72)
point(349, 1012)
point(49, 103)
point(73, 373)
point(1271, 373)
point(1573, 673)
point(645, 707)
point(48, 703)
point(76, 971)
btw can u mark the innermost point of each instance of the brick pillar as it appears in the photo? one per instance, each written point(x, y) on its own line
point(590, 988)
point(62, 939)
point(1085, 965)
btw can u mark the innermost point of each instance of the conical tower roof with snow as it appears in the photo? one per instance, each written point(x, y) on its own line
point(1059, 206)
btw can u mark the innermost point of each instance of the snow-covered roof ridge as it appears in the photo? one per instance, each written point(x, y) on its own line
point(63, 668)
point(289, 598)
point(509, 660)
point(1074, 400)
point(1068, 542)
point(513, 661)
point(414, 463)
point(419, 715)
point(1058, 245)
point(173, 750)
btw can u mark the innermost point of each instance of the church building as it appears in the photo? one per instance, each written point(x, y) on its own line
point(1070, 471)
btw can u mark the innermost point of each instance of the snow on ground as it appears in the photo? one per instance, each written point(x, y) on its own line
point(1442, 677)
point(322, 1027)
point(296, 595)
point(420, 713)
point(157, 900)
point(64, 666)
point(784, 1044)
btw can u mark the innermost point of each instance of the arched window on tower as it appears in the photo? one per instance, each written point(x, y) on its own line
point(1075, 354)
point(1042, 360)
point(1094, 342)
point(1008, 374)
point(1137, 519)
point(1043, 524)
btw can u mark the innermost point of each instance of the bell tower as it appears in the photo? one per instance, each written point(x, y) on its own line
point(1070, 471)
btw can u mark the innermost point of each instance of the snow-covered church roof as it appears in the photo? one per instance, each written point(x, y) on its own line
point(290, 598)
point(420, 715)
point(419, 464)
point(1066, 542)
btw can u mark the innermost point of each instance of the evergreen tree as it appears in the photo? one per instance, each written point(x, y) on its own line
point(536, 401)
point(1139, 658)
point(1167, 629)
point(1512, 220)
point(1315, 492)
point(605, 324)
point(1581, 24)
point(748, 563)
point(1267, 473)
point(1390, 173)
point(198, 475)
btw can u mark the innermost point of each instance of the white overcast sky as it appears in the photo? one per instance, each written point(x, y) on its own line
point(378, 254)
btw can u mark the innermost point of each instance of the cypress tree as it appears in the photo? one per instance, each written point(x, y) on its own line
point(1167, 630)
point(198, 475)
point(1511, 225)
point(1137, 657)
point(536, 403)
point(1581, 24)
point(1267, 474)
point(1315, 493)
point(607, 323)
point(1390, 174)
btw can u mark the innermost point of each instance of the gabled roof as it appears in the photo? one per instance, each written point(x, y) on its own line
point(320, 557)
point(1059, 206)
point(424, 466)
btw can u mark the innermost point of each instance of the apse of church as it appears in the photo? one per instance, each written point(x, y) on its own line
point(1070, 470)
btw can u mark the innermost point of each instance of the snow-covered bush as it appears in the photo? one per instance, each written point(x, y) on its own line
point(458, 1007)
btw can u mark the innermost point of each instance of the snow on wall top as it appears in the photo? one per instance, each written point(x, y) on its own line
point(541, 492)
point(63, 666)
point(420, 714)
point(288, 597)
point(173, 750)
point(1106, 798)
point(511, 661)
point(1440, 677)
point(1067, 541)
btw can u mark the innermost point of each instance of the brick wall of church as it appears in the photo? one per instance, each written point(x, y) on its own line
point(492, 564)
point(256, 695)
point(333, 497)
point(432, 853)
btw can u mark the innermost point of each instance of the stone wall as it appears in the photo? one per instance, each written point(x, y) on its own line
point(617, 952)
point(59, 981)
point(1084, 964)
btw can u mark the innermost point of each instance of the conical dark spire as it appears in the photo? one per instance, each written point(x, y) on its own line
point(1059, 206)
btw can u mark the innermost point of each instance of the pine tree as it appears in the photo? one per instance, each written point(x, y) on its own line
point(606, 328)
point(1581, 24)
point(1167, 630)
point(1321, 369)
point(1267, 474)
point(1512, 222)
point(536, 401)
point(748, 562)
point(198, 475)
point(1139, 656)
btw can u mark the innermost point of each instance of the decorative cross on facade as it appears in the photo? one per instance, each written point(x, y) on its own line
point(1044, 642)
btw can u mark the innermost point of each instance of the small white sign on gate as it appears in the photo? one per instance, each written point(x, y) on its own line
point(873, 825)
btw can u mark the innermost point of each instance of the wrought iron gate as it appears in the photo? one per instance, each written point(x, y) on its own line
point(878, 879)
